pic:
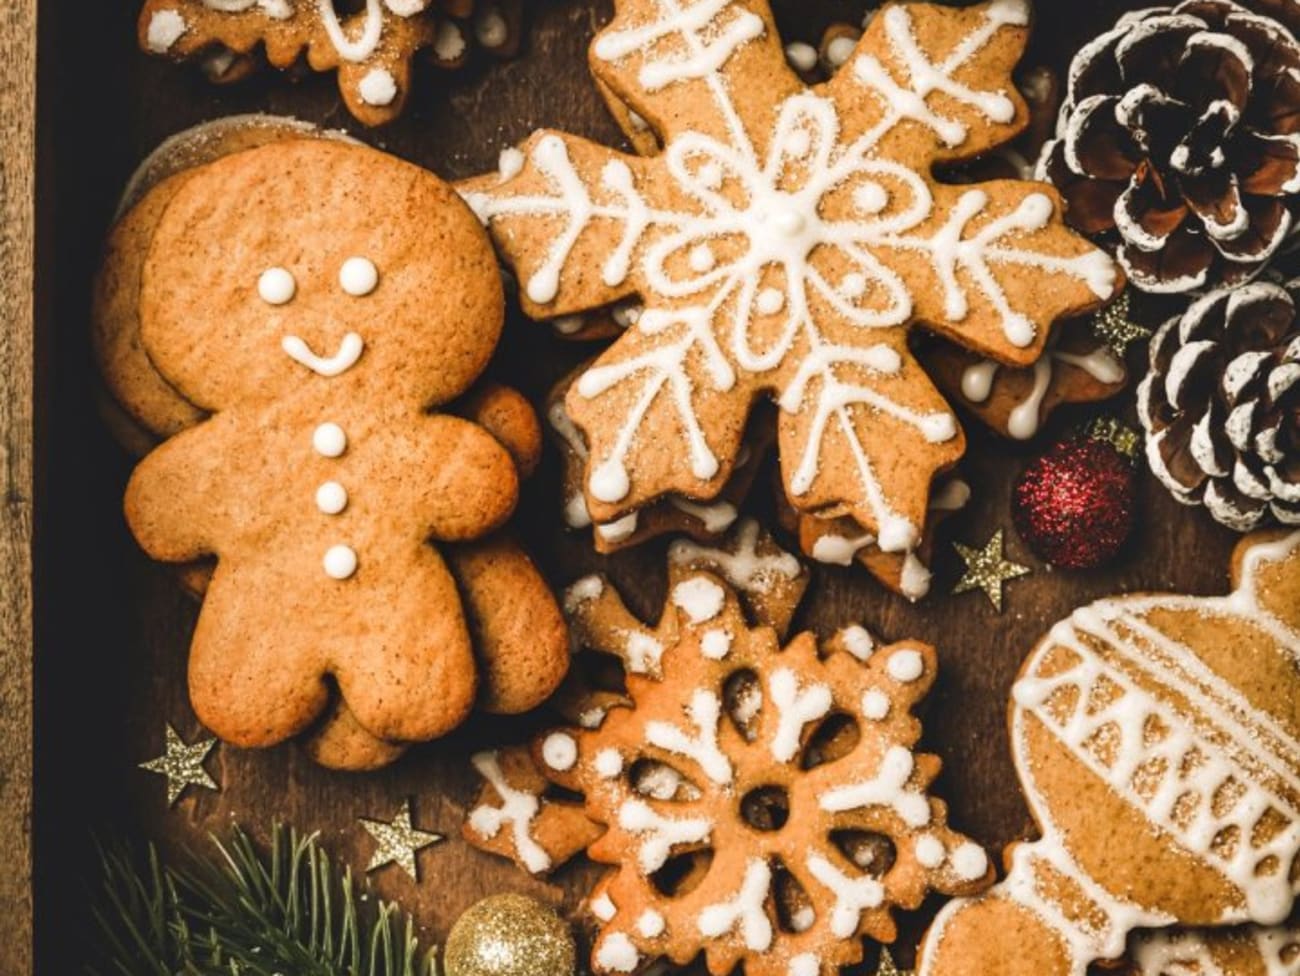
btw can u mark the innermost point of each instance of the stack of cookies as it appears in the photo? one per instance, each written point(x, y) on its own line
point(332, 482)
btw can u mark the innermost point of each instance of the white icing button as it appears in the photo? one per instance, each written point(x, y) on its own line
point(276, 286)
point(906, 666)
point(603, 908)
point(770, 301)
point(970, 862)
point(715, 644)
point(875, 705)
point(930, 852)
point(166, 27)
point(651, 924)
point(329, 440)
point(378, 87)
point(340, 562)
point(359, 277)
point(560, 751)
point(331, 498)
point(608, 763)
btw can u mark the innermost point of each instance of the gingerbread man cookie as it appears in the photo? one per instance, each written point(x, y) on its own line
point(782, 243)
point(273, 300)
point(1158, 742)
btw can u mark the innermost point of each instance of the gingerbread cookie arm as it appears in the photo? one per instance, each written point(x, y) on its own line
point(176, 495)
point(462, 460)
point(520, 636)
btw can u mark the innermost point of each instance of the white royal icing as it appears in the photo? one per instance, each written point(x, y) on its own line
point(358, 277)
point(560, 751)
point(888, 788)
point(518, 810)
point(796, 708)
point(700, 598)
point(744, 567)
point(745, 912)
point(276, 286)
point(166, 27)
point(702, 747)
point(349, 351)
point(710, 305)
point(659, 834)
point(340, 562)
point(328, 440)
point(378, 87)
point(331, 498)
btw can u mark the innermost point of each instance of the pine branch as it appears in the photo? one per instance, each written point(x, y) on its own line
point(239, 913)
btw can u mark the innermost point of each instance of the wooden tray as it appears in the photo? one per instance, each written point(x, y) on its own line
point(111, 629)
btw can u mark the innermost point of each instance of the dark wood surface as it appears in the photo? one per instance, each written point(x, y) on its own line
point(110, 651)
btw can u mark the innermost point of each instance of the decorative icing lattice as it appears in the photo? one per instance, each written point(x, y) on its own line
point(782, 243)
point(1177, 714)
point(371, 49)
point(761, 803)
point(1246, 951)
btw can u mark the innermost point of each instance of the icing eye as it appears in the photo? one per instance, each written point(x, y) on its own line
point(276, 286)
point(359, 277)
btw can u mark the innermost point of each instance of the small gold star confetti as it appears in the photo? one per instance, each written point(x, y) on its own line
point(1113, 326)
point(987, 570)
point(399, 842)
point(888, 967)
point(182, 765)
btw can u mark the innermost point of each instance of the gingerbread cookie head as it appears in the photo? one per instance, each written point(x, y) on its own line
point(272, 273)
point(318, 298)
point(783, 242)
point(1158, 742)
point(762, 804)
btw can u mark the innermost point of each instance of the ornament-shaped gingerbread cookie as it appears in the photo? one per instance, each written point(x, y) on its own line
point(1158, 742)
point(275, 301)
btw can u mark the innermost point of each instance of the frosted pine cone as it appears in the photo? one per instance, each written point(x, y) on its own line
point(1221, 405)
point(1180, 138)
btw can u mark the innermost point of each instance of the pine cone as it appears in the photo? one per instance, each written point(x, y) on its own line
point(1180, 139)
point(1221, 405)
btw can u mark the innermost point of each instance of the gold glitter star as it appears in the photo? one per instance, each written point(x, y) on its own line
point(182, 765)
point(987, 570)
point(399, 842)
point(888, 967)
point(1113, 326)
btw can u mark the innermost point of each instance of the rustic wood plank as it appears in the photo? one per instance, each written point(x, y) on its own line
point(17, 246)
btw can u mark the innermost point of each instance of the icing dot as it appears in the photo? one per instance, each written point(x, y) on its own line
point(799, 144)
point(701, 599)
point(788, 222)
point(701, 258)
point(970, 862)
point(329, 440)
point(618, 954)
point(939, 427)
point(906, 666)
point(802, 57)
point(165, 28)
point(710, 176)
point(651, 924)
point(858, 641)
point(609, 482)
point(510, 163)
point(276, 286)
point(378, 87)
point(875, 705)
point(358, 276)
point(608, 763)
point(560, 751)
point(331, 498)
point(870, 198)
point(449, 44)
point(770, 301)
point(604, 908)
point(853, 286)
point(340, 562)
point(715, 644)
point(491, 29)
point(930, 852)
point(840, 50)
point(805, 965)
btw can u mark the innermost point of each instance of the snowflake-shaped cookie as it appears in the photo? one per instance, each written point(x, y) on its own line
point(371, 49)
point(761, 804)
point(782, 244)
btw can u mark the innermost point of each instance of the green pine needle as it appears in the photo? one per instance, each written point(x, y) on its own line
point(292, 912)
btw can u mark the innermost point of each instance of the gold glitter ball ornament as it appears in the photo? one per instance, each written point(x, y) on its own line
point(510, 935)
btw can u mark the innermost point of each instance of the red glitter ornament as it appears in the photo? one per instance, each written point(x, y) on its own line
point(1075, 505)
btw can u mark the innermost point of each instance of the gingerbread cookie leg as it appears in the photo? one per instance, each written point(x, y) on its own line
point(1158, 742)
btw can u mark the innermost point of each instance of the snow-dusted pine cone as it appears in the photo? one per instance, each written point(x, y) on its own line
point(1221, 405)
point(1180, 140)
